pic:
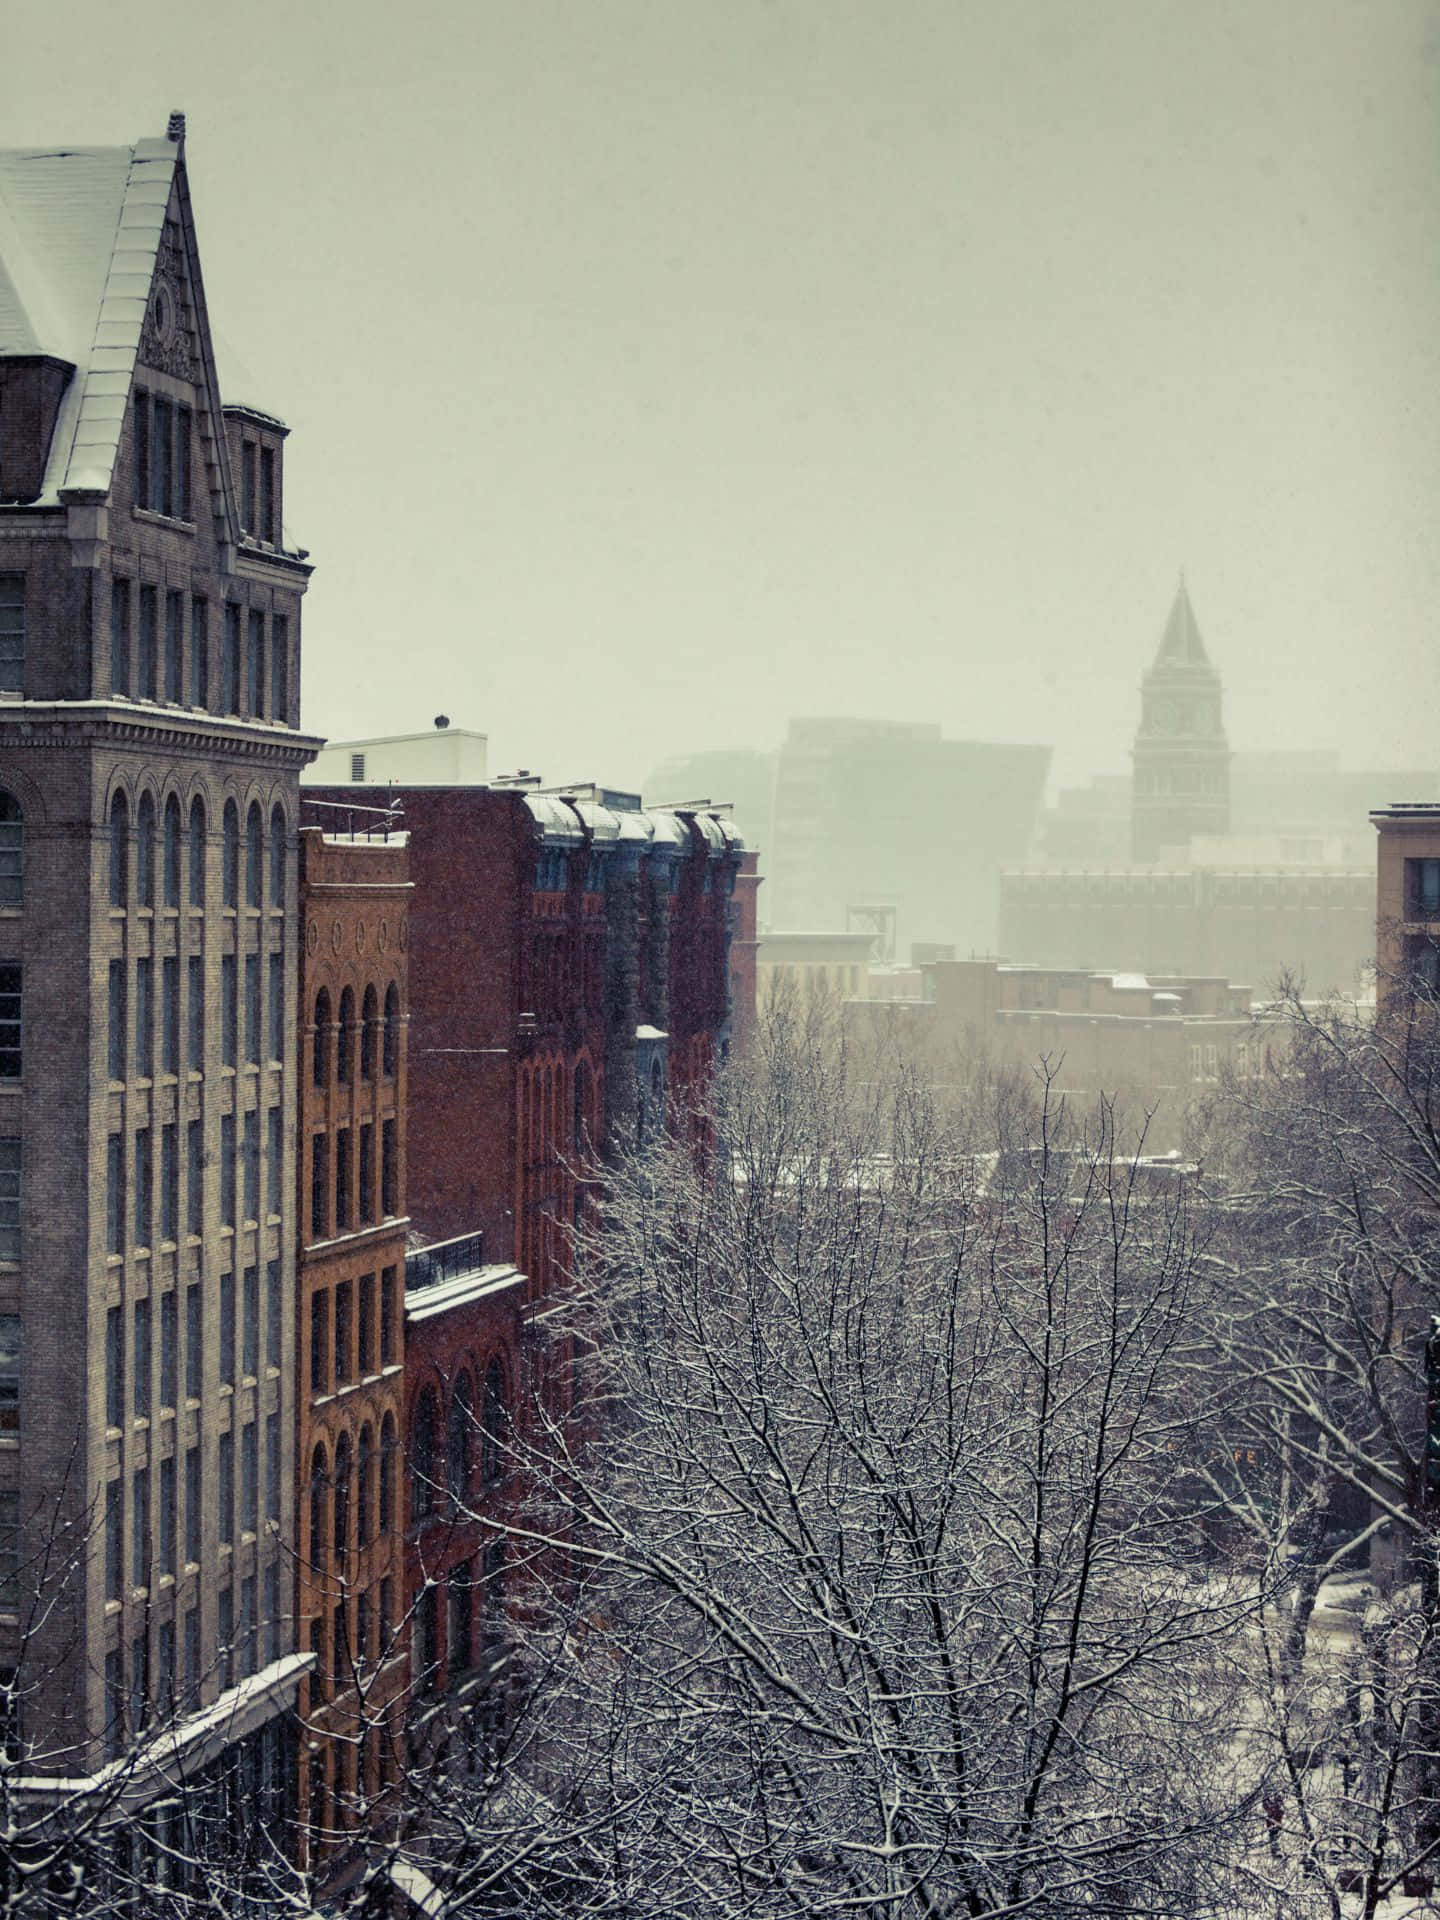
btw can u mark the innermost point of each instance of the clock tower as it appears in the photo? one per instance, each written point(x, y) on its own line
point(1180, 783)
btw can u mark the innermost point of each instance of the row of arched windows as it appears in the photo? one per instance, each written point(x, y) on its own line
point(352, 1500)
point(474, 1441)
point(339, 1035)
point(172, 860)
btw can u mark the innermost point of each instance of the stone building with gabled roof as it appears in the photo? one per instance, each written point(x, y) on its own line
point(149, 761)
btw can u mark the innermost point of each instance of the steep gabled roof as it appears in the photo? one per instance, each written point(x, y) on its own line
point(80, 230)
point(1181, 645)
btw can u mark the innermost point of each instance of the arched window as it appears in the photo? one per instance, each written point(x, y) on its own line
point(321, 1073)
point(457, 1450)
point(197, 853)
point(492, 1424)
point(342, 1499)
point(119, 850)
point(365, 1487)
point(254, 844)
point(422, 1458)
point(319, 1487)
point(388, 1459)
point(277, 857)
point(369, 1020)
point(145, 852)
point(12, 850)
point(343, 1033)
point(230, 854)
point(171, 857)
point(392, 1031)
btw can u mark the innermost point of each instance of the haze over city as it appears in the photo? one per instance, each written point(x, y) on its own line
point(659, 372)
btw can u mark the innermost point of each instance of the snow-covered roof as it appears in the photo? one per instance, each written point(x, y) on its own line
point(80, 231)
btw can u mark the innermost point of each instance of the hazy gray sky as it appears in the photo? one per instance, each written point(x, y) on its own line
point(657, 371)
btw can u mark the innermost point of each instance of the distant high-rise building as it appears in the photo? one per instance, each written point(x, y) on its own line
point(1181, 758)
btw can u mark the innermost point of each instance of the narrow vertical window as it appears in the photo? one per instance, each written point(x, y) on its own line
point(230, 659)
point(114, 1539)
point(252, 1165)
point(115, 1194)
point(12, 632)
point(140, 1524)
point(365, 1326)
point(344, 1296)
point(229, 1011)
point(225, 1630)
point(119, 851)
point(194, 1341)
point(197, 853)
point(247, 486)
point(280, 669)
point(226, 1464)
point(170, 854)
point(227, 1329)
point(320, 1341)
point(10, 1020)
point(194, 1177)
point(389, 1170)
point(10, 1197)
point(195, 1023)
point(274, 1160)
point(249, 1478)
point(169, 1349)
point(388, 1351)
point(273, 1308)
point(120, 637)
point(230, 855)
point(170, 1014)
point(272, 1611)
point(273, 1465)
point(367, 1174)
point(12, 851)
point(252, 1008)
point(194, 1511)
point(140, 431)
point(116, 1049)
point(199, 652)
point(229, 1167)
point(149, 622)
point(169, 1182)
point(267, 494)
point(141, 1374)
point(250, 1323)
point(114, 1366)
point(254, 843)
point(168, 1541)
point(255, 667)
point(319, 1187)
point(162, 489)
point(277, 1006)
point(344, 1036)
point(182, 463)
point(9, 1373)
point(145, 852)
point(369, 1021)
point(174, 647)
point(145, 1017)
point(277, 857)
point(144, 1198)
point(392, 1030)
point(385, 1520)
point(344, 1209)
point(321, 1050)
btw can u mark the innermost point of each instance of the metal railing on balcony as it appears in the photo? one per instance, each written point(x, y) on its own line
point(355, 822)
point(444, 1260)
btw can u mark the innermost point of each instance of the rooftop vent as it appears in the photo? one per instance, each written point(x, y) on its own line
point(176, 129)
point(442, 721)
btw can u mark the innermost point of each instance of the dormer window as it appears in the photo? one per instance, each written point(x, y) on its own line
point(161, 434)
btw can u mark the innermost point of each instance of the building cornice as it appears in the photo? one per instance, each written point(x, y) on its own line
point(86, 723)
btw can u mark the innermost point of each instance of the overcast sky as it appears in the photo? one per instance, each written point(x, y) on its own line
point(658, 371)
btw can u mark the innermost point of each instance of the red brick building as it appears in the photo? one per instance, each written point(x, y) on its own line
point(350, 1341)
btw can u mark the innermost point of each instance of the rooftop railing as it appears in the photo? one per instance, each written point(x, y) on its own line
point(444, 1260)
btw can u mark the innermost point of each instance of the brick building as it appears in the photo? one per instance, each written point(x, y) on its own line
point(354, 903)
point(149, 759)
point(1407, 904)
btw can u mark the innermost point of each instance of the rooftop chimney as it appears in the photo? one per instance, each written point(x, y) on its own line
point(176, 129)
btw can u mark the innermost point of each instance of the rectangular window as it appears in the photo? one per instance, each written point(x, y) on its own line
point(229, 1010)
point(227, 1488)
point(389, 1171)
point(162, 488)
point(9, 1373)
point(367, 1173)
point(115, 1194)
point(114, 1704)
point(140, 427)
point(169, 1349)
point(343, 1300)
point(145, 1018)
point(280, 668)
point(250, 1478)
point(174, 647)
point(277, 1006)
point(165, 1689)
point(170, 1014)
point(230, 663)
point(344, 1214)
point(267, 494)
point(319, 1341)
point(387, 1317)
point(114, 1366)
point(195, 1177)
point(274, 1159)
point(116, 1021)
point(9, 1197)
point(9, 1550)
point(272, 1614)
point(199, 652)
point(273, 1464)
point(250, 1322)
point(365, 1326)
point(193, 1509)
point(319, 1187)
point(140, 1528)
point(182, 462)
point(144, 1198)
point(194, 1339)
point(247, 1624)
point(192, 1657)
point(120, 636)
point(142, 1359)
point(12, 632)
point(168, 1516)
point(252, 1166)
point(252, 1007)
point(10, 1020)
point(195, 993)
point(247, 486)
point(149, 622)
point(114, 1538)
point(225, 1623)
point(227, 1329)
point(273, 1305)
point(169, 1182)
point(255, 664)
